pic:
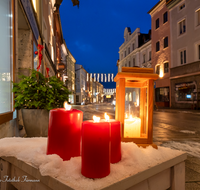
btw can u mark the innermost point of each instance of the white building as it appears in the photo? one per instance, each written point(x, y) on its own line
point(185, 53)
point(136, 49)
point(185, 32)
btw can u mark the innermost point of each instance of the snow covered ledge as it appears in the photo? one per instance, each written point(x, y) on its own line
point(27, 166)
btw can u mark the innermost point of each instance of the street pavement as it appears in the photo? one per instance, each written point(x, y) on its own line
point(173, 128)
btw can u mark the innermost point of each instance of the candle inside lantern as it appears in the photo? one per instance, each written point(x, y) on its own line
point(64, 133)
point(95, 148)
point(115, 139)
point(132, 127)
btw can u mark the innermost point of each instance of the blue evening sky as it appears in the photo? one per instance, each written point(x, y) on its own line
point(94, 31)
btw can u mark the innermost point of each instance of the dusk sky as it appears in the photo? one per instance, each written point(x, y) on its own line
point(94, 31)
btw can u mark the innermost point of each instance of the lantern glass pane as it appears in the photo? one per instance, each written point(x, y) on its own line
point(135, 118)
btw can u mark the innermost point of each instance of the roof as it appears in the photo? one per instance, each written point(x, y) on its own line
point(154, 7)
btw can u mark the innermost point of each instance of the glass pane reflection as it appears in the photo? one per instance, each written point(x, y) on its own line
point(6, 53)
point(135, 113)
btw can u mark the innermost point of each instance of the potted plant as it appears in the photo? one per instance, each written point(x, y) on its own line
point(35, 95)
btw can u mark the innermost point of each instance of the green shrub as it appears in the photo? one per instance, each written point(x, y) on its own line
point(38, 92)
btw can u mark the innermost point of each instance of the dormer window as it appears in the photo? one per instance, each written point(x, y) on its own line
point(182, 6)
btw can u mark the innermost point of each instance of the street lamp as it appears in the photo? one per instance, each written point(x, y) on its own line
point(134, 104)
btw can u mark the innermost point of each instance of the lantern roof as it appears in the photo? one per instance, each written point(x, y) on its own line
point(136, 74)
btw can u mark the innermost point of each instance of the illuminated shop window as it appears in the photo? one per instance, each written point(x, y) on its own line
point(6, 54)
point(162, 94)
point(186, 92)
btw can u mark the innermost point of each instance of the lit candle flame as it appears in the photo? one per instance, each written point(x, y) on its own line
point(130, 117)
point(96, 119)
point(67, 106)
point(126, 116)
point(106, 117)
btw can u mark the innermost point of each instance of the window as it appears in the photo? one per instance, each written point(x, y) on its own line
point(199, 51)
point(162, 94)
point(125, 65)
point(182, 27)
point(158, 69)
point(143, 58)
point(133, 46)
point(186, 91)
point(165, 42)
point(197, 17)
point(182, 6)
point(157, 23)
point(77, 98)
point(35, 57)
point(150, 56)
point(166, 67)
point(128, 50)
point(121, 56)
point(165, 17)
point(183, 56)
point(129, 63)
point(6, 54)
point(125, 54)
point(133, 62)
point(157, 46)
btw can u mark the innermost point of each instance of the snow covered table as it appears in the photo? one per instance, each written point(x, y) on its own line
point(24, 165)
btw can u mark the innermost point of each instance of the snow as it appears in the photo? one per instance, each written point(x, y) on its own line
point(190, 147)
point(134, 160)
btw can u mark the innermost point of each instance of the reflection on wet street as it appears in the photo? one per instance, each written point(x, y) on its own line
point(167, 126)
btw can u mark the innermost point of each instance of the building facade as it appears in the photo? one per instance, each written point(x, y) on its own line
point(81, 77)
point(99, 92)
point(70, 74)
point(161, 52)
point(23, 23)
point(136, 50)
point(185, 53)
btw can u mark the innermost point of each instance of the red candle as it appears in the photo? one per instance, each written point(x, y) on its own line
point(64, 133)
point(115, 139)
point(95, 149)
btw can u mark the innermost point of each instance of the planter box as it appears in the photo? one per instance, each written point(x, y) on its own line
point(167, 175)
point(36, 122)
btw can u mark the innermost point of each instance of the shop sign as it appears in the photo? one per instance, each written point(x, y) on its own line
point(184, 85)
point(30, 14)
